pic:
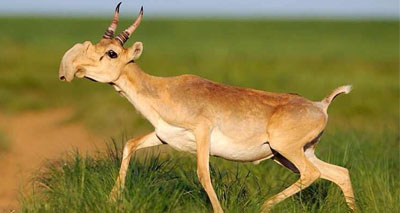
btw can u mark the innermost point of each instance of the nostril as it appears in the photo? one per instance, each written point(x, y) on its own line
point(62, 78)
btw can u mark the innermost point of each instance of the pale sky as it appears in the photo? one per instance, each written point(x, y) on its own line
point(206, 8)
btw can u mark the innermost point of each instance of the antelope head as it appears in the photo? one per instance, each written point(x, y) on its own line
point(104, 61)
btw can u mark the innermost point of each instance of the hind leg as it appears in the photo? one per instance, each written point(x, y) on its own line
point(308, 174)
point(336, 174)
point(290, 128)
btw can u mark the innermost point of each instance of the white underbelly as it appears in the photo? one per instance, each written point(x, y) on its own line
point(226, 147)
point(220, 145)
point(178, 138)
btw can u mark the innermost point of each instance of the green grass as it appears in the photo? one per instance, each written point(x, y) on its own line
point(307, 57)
point(169, 183)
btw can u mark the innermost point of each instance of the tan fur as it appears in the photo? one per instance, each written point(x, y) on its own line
point(197, 115)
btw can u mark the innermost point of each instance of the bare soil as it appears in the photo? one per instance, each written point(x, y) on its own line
point(34, 137)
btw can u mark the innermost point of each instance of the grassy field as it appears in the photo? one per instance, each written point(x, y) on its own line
point(307, 57)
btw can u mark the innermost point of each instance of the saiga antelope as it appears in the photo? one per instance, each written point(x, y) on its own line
point(196, 115)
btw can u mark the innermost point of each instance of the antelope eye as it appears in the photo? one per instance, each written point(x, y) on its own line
point(112, 54)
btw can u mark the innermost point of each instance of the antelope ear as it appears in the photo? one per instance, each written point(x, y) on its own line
point(136, 50)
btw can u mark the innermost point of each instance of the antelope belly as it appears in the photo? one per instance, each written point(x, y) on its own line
point(222, 146)
point(178, 138)
point(225, 147)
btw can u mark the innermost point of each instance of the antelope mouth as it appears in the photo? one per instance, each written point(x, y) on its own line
point(91, 79)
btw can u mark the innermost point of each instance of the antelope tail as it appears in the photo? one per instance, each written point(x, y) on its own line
point(328, 99)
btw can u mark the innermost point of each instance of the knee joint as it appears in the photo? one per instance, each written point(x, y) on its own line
point(202, 175)
point(128, 148)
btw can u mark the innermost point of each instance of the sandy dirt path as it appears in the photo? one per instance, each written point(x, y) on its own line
point(35, 137)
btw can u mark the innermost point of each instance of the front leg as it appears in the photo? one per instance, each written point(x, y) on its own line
point(132, 145)
point(202, 136)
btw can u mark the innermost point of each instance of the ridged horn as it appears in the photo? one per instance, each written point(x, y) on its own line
point(124, 35)
point(109, 34)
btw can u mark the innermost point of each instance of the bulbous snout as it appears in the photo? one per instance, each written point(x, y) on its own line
point(68, 70)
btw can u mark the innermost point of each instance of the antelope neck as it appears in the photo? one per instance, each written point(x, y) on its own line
point(140, 89)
